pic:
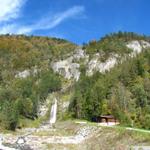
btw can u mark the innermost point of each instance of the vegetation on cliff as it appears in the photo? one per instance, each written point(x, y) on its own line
point(123, 92)
point(26, 76)
point(113, 43)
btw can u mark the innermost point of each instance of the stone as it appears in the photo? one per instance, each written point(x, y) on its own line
point(26, 73)
point(21, 141)
point(96, 65)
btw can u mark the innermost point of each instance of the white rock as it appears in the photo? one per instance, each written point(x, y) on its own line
point(4, 147)
point(79, 54)
point(67, 69)
point(26, 73)
point(145, 44)
point(96, 65)
point(21, 141)
point(23, 74)
point(44, 107)
point(135, 46)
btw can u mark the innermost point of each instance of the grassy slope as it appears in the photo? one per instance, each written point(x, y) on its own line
point(117, 138)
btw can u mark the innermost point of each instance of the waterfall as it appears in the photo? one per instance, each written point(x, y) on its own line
point(53, 112)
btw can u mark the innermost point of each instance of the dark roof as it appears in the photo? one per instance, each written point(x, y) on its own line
point(107, 116)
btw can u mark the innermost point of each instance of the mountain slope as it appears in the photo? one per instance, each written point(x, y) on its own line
point(123, 92)
point(99, 74)
point(26, 77)
point(101, 55)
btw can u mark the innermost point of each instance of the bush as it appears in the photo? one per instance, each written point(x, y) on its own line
point(145, 122)
point(9, 116)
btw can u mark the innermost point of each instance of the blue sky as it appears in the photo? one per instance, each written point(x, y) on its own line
point(75, 20)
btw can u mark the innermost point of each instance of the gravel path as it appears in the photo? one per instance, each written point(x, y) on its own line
point(38, 142)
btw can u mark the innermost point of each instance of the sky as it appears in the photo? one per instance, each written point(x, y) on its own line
point(78, 21)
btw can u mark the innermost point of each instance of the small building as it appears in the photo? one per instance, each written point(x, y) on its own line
point(105, 119)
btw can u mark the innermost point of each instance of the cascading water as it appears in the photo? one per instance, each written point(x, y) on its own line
point(53, 112)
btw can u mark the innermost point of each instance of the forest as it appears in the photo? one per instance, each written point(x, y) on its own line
point(20, 96)
point(123, 92)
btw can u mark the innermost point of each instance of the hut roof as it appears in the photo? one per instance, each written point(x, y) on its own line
point(107, 116)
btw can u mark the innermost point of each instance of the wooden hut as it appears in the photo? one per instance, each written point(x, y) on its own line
point(105, 119)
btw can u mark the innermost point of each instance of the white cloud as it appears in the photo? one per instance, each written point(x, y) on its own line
point(7, 29)
point(44, 23)
point(9, 9)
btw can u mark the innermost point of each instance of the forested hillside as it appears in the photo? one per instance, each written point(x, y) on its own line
point(114, 43)
point(113, 77)
point(124, 91)
point(26, 77)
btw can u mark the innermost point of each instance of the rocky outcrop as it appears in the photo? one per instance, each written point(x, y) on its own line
point(137, 47)
point(70, 67)
point(2, 147)
point(26, 73)
point(145, 44)
point(96, 65)
point(45, 106)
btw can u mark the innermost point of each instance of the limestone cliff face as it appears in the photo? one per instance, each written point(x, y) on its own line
point(67, 68)
point(137, 47)
point(70, 67)
point(96, 65)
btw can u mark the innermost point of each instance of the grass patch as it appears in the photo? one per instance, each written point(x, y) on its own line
point(57, 132)
point(61, 147)
point(116, 138)
point(28, 123)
